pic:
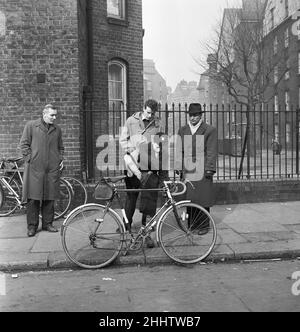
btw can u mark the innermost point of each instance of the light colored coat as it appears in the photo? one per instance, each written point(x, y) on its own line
point(43, 152)
point(133, 133)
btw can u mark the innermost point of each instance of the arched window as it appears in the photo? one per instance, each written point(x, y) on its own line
point(2, 24)
point(117, 78)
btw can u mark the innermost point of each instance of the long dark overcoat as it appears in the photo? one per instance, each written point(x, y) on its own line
point(203, 193)
point(43, 152)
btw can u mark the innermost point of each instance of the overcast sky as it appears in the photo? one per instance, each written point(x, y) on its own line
point(174, 31)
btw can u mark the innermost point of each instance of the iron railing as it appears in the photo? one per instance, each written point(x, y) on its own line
point(257, 144)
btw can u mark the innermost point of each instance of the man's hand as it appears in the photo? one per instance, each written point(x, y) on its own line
point(180, 173)
point(61, 165)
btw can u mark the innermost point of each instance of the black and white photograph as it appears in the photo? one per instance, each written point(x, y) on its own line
point(149, 160)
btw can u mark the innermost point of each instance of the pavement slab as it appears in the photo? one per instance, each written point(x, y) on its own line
point(20, 245)
point(46, 242)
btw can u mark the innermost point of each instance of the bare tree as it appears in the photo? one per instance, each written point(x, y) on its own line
point(244, 65)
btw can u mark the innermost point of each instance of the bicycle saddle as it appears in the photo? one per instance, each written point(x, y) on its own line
point(114, 179)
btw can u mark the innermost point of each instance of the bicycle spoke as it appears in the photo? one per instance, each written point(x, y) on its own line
point(90, 243)
point(190, 238)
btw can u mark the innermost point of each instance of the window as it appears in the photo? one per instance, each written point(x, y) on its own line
point(116, 9)
point(288, 132)
point(287, 73)
point(287, 101)
point(117, 76)
point(276, 104)
point(276, 132)
point(286, 38)
point(275, 45)
point(149, 86)
point(276, 74)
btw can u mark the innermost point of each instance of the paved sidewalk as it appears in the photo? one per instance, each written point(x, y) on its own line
point(245, 232)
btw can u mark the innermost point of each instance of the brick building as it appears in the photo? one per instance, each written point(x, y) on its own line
point(85, 56)
point(282, 46)
point(155, 86)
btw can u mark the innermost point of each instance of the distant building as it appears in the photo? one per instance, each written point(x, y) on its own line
point(282, 46)
point(155, 86)
point(185, 93)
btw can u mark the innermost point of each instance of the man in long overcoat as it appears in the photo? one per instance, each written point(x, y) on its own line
point(42, 148)
point(199, 149)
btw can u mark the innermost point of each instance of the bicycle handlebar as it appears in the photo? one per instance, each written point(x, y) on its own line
point(176, 193)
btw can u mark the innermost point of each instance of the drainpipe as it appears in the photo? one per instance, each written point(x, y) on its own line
point(89, 129)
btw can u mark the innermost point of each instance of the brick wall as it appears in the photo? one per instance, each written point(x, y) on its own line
point(116, 41)
point(41, 37)
point(236, 192)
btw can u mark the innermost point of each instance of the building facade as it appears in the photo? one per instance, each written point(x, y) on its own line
point(282, 47)
point(155, 86)
point(86, 56)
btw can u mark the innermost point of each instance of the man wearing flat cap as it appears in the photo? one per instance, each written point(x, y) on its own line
point(199, 149)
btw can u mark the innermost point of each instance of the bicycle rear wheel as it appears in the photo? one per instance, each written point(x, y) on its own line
point(80, 195)
point(187, 233)
point(8, 201)
point(62, 205)
point(92, 237)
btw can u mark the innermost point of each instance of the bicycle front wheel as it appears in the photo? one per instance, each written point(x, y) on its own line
point(8, 202)
point(92, 236)
point(187, 233)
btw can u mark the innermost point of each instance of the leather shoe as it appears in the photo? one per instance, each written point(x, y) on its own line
point(31, 232)
point(50, 228)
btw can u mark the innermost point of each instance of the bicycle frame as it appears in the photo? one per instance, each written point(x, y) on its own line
point(6, 184)
point(169, 204)
point(15, 172)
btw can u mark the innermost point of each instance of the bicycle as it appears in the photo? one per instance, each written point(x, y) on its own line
point(93, 235)
point(79, 192)
point(11, 182)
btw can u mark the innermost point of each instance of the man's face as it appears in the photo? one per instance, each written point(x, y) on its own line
point(195, 118)
point(148, 113)
point(49, 115)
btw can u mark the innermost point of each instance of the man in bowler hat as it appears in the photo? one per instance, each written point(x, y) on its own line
point(202, 157)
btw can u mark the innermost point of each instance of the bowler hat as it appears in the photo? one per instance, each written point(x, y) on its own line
point(195, 108)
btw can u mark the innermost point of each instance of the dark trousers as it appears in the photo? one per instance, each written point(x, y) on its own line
point(131, 198)
point(33, 210)
point(197, 219)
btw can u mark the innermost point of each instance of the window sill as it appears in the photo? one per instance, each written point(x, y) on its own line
point(117, 21)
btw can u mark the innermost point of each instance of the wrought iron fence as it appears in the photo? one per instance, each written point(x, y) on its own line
point(257, 144)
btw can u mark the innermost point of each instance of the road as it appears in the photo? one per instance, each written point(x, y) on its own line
point(244, 287)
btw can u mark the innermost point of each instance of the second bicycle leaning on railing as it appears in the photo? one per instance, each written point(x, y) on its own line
point(11, 182)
